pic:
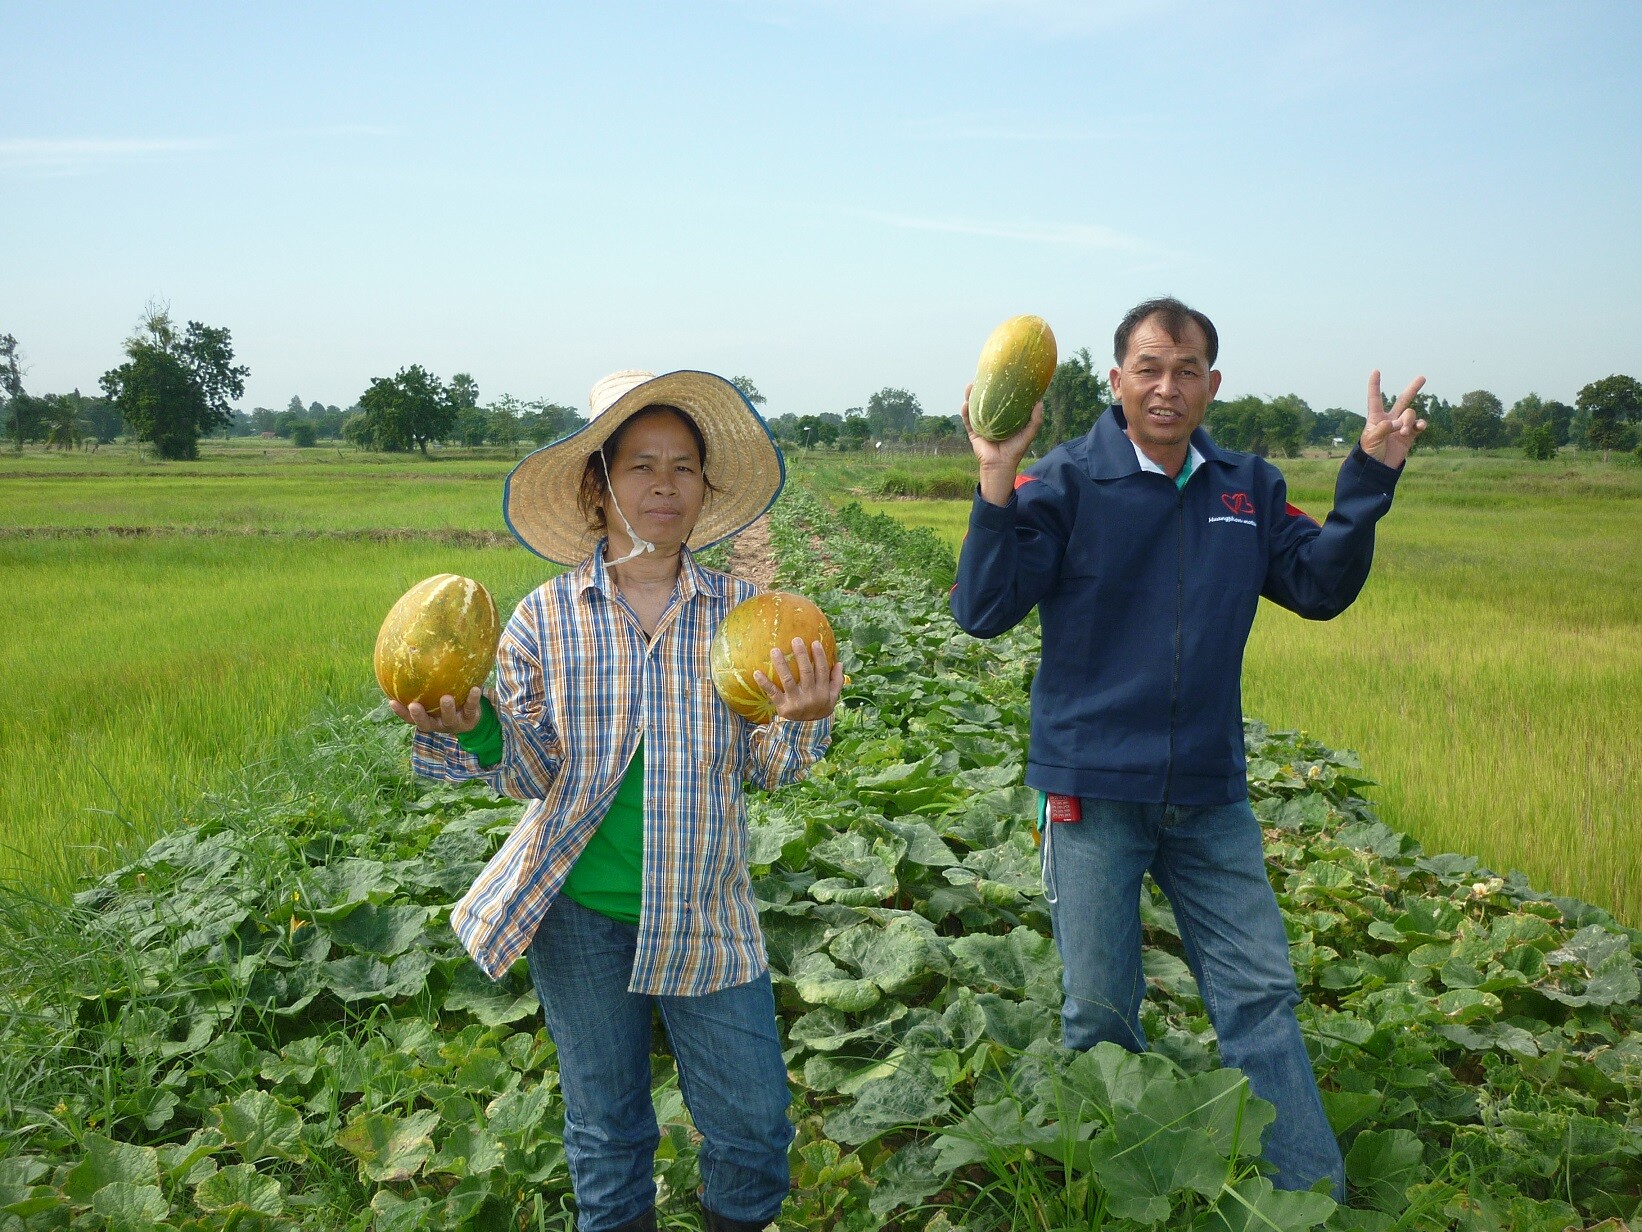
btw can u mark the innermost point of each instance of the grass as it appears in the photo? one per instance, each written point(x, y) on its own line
point(145, 670)
point(1488, 675)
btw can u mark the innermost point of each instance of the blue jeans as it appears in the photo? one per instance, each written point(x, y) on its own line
point(730, 1073)
point(1210, 864)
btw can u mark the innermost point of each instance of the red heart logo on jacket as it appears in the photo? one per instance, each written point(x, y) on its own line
point(1238, 502)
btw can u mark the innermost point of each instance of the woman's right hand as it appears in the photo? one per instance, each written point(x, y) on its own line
point(450, 720)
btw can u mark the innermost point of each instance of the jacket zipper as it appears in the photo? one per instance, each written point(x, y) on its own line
point(1179, 604)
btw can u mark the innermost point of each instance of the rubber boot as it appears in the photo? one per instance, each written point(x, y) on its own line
point(644, 1223)
point(717, 1223)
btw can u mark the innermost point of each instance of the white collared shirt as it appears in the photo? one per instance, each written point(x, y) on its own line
point(1193, 461)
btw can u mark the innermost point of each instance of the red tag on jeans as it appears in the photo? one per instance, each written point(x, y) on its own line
point(1065, 808)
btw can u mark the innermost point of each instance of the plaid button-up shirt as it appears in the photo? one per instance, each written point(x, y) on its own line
point(577, 685)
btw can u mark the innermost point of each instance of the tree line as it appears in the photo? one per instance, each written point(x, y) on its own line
point(177, 385)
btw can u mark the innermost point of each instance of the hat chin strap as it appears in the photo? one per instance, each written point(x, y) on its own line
point(640, 546)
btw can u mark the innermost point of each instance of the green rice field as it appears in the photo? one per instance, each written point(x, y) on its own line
point(1490, 675)
point(147, 668)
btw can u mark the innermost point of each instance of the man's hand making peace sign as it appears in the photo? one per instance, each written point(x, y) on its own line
point(1389, 435)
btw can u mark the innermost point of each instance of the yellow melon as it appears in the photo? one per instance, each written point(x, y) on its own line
point(745, 637)
point(439, 638)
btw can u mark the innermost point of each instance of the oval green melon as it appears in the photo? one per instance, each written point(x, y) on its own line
point(1016, 366)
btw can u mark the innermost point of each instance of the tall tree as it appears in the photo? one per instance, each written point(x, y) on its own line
point(814, 430)
point(1538, 442)
point(893, 414)
point(407, 410)
point(1561, 417)
point(464, 391)
point(502, 421)
point(11, 385)
point(101, 417)
point(472, 425)
point(1077, 396)
point(1335, 424)
point(748, 390)
point(65, 428)
point(1286, 421)
point(176, 387)
point(546, 421)
point(1611, 403)
point(1526, 413)
point(1479, 420)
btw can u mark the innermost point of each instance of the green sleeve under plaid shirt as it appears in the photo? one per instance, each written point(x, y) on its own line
point(577, 686)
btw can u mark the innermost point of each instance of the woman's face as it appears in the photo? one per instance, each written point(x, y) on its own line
point(656, 476)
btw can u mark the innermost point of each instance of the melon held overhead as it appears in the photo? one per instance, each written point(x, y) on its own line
point(1016, 366)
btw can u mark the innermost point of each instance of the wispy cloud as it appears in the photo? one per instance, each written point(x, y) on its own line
point(78, 155)
point(1046, 18)
point(59, 156)
point(967, 128)
point(1075, 235)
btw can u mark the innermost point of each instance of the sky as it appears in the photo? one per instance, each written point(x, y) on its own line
point(827, 196)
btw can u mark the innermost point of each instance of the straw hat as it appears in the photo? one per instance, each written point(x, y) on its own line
point(743, 463)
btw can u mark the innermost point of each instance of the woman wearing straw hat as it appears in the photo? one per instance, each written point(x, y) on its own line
point(625, 882)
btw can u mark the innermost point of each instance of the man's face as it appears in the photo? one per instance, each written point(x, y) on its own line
point(1165, 386)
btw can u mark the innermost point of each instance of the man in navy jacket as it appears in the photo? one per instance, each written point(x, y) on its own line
point(1146, 549)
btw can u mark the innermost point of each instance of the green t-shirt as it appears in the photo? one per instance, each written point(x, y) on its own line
point(608, 876)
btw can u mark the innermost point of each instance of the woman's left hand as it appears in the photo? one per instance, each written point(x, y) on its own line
point(814, 694)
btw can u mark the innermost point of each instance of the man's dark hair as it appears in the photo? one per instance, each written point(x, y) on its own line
point(1174, 316)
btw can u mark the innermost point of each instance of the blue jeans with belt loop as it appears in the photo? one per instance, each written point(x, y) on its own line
point(1209, 862)
point(730, 1072)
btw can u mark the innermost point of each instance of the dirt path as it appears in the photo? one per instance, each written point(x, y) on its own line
point(751, 556)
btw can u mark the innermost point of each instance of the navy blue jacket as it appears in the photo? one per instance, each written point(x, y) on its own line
point(1146, 594)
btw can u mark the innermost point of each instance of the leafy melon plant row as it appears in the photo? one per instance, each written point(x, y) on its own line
point(265, 1022)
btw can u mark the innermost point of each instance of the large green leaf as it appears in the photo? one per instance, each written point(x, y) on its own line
point(1000, 1129)
point(906, 1178)
point(1112, 1079)
point(912, 1095)
point(336, 889)
point(492, 1003)
point(827, 1030)
point(895, 957)
point(517, 1113)
point(1382, 1164)
point(107, 1162)
point(360, 977)
point(1023, 961)
point(1253, 1205)
point(260, 1127)
point(129, 1207)
point(1142, 1168)
point(467, 1151)
point(387, 1146)
point(240, 1187)
point(820, 981)
point(1017, 1025)
point(385, 931)
point(1219, 1103)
